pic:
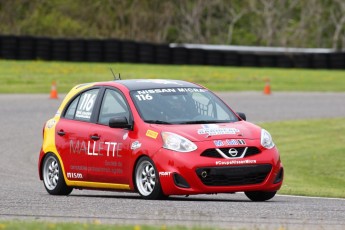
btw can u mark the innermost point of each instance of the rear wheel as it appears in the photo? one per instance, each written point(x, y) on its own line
point(147, 180)
point(260, 196)
point(53, 179)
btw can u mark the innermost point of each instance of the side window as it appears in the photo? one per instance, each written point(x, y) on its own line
point(71, 109)
point(85, 106)
point(113, 104)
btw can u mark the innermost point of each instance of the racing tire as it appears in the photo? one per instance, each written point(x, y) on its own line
point(260, 195)
point(53, 178)
point(147, 180)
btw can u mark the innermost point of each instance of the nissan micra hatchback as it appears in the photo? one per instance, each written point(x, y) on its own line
point(157, 138)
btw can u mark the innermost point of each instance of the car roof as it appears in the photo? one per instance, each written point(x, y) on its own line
point(142, 84)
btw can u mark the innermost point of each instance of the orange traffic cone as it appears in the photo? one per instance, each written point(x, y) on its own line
point(53, 91)
point(267, 89)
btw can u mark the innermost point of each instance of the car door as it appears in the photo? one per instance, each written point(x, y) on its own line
point(72, 137)
point(109, 162)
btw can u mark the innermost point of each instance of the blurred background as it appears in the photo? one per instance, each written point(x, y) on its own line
point(284, 23)
point(265, 33)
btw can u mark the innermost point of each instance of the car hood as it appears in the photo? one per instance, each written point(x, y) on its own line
point(198, 132)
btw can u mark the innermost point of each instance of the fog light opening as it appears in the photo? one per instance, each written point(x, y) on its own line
point(279, 176)
point(180, 181)
point(203, 174)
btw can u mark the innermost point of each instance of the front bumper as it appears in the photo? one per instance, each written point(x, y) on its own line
point(191, 173)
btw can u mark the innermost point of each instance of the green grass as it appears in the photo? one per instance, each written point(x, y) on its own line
point(96, 225)
point(312, 152)
point(37, 76)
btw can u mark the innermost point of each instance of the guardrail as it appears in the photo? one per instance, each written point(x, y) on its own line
point(115, 50)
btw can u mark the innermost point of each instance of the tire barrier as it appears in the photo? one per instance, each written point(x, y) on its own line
point(267, 60)
point(94, 50)
point(180, 55)
point(250, 60)
point(8, 45)
point(231, 59)
point(115, 50)
point(112, 50)
point(43, 49)
point(77, 50)
point(60, 49)
point(129, 51)
point(284, 61)
point(214, 57)
point(163, 54)
point(302, 61)
point(337, 61)
point(320, 61)
point(146, 53)
point(197, 56)
point(26, 48)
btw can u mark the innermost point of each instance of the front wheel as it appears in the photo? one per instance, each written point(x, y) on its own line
point(53, 179)
point(147, 180)
point(260, 196)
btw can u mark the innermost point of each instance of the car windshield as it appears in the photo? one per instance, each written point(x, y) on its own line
point(181, 106)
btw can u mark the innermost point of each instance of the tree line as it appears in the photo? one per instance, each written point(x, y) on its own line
point(286, 23)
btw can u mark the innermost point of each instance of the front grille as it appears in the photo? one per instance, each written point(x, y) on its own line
point(234, 175)
point(250, 151)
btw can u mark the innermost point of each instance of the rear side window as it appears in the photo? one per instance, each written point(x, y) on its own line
point(71, 109)
point(82, 106)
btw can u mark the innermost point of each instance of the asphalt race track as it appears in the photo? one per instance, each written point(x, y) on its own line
point(22, 194)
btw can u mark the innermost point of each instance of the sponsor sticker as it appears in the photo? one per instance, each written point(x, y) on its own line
point(151, 134)
point(217, 131)
point(86, 104)
point(218, 143)
point(235, 142)
point(73, 175)
point(236, 162)
point(164, 173)
point(50, 124)
point(135, 145)
point(96, 148)
point(154, 91)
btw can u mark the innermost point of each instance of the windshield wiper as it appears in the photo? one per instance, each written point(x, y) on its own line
point(157, 122)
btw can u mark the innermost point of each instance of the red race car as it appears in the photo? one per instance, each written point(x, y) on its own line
point(157, 138)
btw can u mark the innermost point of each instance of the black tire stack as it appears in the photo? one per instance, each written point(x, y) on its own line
point(115, 50)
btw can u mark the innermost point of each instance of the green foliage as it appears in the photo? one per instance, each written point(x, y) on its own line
point(313, 23)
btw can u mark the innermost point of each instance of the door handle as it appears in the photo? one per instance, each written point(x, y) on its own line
point(95, 137)
point(61, 133)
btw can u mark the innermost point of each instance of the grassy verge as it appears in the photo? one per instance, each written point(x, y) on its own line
point(312, 152)
point(37, 76)
point(37, 225)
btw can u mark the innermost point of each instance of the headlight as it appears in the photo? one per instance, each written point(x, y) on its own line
point(177, 143)
point(266, 139)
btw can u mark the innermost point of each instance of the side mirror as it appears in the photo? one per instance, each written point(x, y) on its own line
point(119, 122)
point(242, 116)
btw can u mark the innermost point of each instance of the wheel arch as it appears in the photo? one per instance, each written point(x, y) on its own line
point(133, 169)
point(61, 164)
